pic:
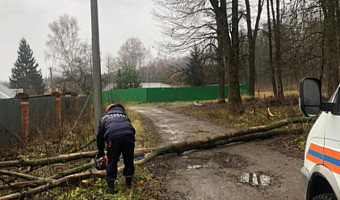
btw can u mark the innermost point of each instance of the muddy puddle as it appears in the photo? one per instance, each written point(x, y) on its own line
point(255, 179)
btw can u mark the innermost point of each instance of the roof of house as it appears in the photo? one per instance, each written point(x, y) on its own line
point(155, 85)
point(112, 86)
point(6, 93)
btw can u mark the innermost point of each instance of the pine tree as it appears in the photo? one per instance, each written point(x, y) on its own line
point(194, 74)
point(25, 74)
point(127, 77)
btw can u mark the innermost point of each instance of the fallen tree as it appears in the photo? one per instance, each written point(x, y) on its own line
point(36, 181)
point(19, 175)
point(59, 182)
point(83, 146)
point(210, 142)
point(260, 132)
point(49, 160)
point(57, 159)
point(161, 150)
point(24, 184)
point(53, 184)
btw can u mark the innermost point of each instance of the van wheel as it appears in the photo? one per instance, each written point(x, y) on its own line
point(328, 196)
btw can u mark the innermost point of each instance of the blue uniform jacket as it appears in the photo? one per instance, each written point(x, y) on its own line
point(113, 125)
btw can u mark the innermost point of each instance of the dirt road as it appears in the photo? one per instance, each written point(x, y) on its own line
point(216, 173)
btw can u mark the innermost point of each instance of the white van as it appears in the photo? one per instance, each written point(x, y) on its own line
point(321, 170)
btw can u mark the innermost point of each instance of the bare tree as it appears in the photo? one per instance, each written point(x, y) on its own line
point(67, 51)
point(186, 24)
point(223, 44)
point(132, 53)
point(229, 41)
point(200, 23)
point(252, 35)
point(158, 70)
point(277, 38)
point(205, 23)
point(270, 45)
point(111, 67)
point(234, 96)
point(110, 64)
point(331, 14)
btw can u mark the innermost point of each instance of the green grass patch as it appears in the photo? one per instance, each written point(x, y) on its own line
point(143, 187)
point(143, 137)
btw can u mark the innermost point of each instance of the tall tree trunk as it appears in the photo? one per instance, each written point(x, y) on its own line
point(277, 38)
point(230, 50)
point(323, 56)
point(252, 72)
point(251, 53)
point(221, 57)
point(252, 45)
point(221, 76)
point(234, 96)
point(272, 66)
point(220, 17)
point(280, 94)
point(331, 40)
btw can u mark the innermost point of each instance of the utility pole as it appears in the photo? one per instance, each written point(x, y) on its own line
point(96, 65)
point(51, 79)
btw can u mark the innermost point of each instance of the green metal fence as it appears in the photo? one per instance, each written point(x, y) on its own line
point(125, 95)
point(166, 94)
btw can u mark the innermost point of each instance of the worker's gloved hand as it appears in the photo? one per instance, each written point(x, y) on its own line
point(101, 161)
point(100, 154)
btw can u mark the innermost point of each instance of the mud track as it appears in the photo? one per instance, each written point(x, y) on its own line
point(215, 173)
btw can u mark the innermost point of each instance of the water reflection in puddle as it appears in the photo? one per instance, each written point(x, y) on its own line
point(255, 179)
point(195, 166)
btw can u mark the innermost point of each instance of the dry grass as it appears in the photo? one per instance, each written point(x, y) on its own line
point(256, 112)
point(53, 140)
point(265, 94)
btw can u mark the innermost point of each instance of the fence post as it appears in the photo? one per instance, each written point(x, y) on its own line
point(57, 106)
point(76, 104)
point(25, 113)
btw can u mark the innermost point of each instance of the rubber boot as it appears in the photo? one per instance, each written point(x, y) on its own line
point(128, 182)
point(111, 187)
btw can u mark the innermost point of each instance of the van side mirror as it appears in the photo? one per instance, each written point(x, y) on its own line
point(310, 96)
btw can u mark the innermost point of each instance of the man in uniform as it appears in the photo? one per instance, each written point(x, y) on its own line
point(115, 128)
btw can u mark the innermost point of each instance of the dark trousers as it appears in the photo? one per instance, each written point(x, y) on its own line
point(123, 145)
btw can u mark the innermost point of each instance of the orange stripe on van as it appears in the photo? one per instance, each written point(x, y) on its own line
point(332, 167)
point(316, 148)
point(314, 159)
point(332, 153)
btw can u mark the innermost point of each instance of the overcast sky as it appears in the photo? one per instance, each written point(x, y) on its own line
point(118, 21)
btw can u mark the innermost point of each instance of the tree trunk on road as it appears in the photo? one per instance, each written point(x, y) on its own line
point(57, 159)
point(210, 142)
